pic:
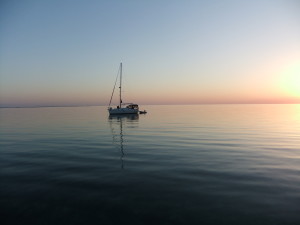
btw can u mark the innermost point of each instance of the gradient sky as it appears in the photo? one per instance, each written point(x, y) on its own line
point(67, 52)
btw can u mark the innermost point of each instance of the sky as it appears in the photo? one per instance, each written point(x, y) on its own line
point(67, 52)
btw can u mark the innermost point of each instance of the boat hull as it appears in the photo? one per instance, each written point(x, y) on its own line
point(119, 111)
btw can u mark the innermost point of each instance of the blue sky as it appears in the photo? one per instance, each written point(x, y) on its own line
point(68, 52)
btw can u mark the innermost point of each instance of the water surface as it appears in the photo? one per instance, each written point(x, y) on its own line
point(206, 164)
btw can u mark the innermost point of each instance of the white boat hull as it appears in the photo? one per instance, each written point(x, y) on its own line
point(117, 111)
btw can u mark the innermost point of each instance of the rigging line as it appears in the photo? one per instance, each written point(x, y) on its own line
point(112, 94)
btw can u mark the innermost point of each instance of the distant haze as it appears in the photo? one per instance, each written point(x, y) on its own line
point(56, 53)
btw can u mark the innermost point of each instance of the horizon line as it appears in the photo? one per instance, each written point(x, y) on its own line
point(92, 105)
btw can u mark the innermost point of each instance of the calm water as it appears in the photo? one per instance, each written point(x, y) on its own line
point(206, 164)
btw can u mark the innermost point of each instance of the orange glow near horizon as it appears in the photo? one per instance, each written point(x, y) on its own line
point(275, 85)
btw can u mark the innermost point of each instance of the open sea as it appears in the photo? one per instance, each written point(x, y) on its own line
point(183, 164)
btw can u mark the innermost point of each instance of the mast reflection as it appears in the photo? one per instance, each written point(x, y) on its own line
point(116, 123)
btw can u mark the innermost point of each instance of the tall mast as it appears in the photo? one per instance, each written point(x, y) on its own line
point(120, 85)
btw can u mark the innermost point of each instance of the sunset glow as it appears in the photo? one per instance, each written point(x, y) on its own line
point(173, 52)
point(290, 80)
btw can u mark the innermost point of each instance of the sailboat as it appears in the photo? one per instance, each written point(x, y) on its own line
point(122, 108)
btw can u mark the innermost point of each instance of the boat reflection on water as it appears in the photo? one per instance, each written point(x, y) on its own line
point(117, 124)
point(124, 117)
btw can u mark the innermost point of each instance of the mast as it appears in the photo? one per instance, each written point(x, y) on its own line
point(120, 85)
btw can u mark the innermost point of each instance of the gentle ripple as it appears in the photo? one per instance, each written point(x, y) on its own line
point(205, 164)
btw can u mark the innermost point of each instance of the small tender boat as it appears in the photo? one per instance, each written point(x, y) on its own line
point(122, 108)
